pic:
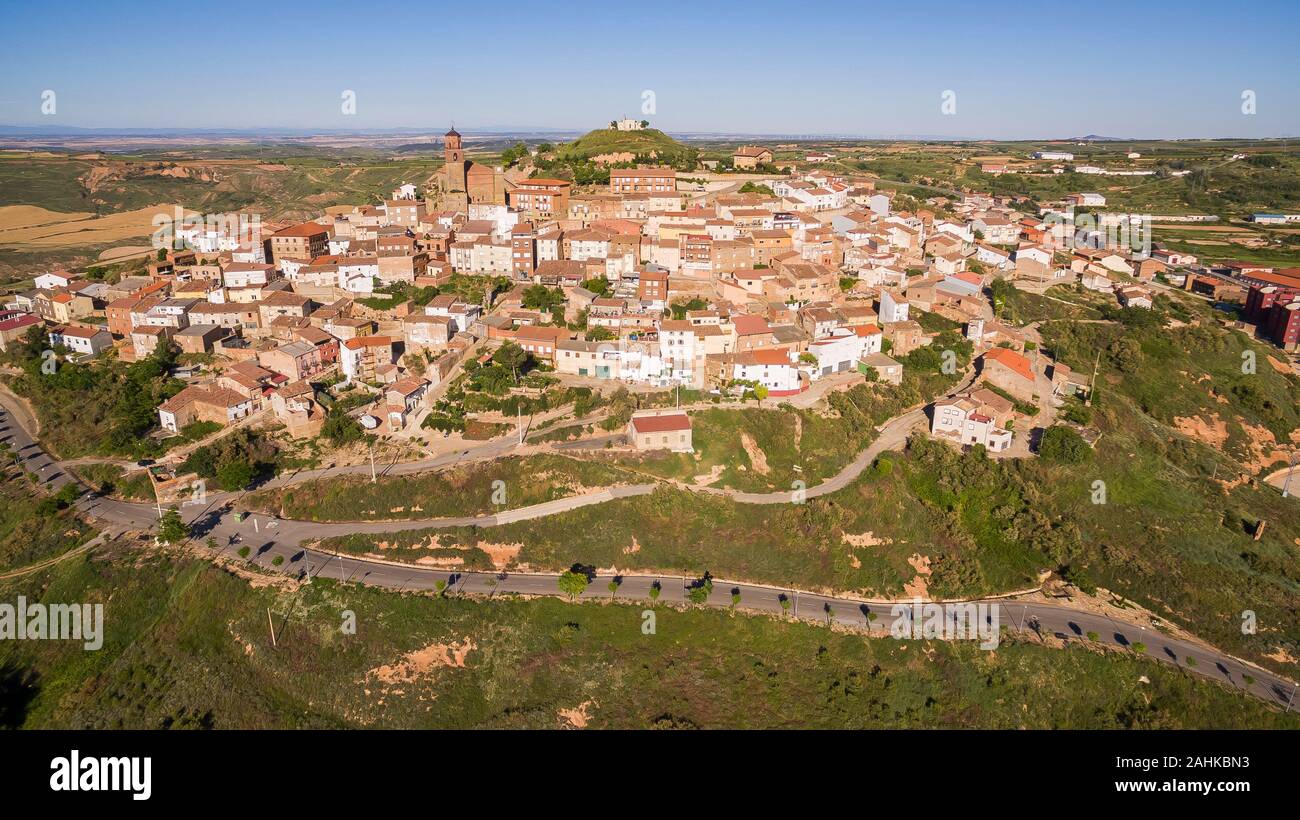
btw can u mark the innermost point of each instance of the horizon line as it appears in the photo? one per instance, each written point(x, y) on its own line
point(34, 131)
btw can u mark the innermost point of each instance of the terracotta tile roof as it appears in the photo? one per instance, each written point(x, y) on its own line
point(766, 356)
point(368, 341)
point(747, 325)
point(1012, 360)
point(303, 229)
point(664, 423)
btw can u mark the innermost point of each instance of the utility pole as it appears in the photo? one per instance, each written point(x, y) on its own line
point(1286, 485)
point(374, 479)
point(519, 423)
point(271, 624)
point(1092, 384)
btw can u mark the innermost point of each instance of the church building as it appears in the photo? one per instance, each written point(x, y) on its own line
point(464, 181)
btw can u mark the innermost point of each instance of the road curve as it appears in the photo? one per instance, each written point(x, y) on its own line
point(1038, 620)
point(270, 538)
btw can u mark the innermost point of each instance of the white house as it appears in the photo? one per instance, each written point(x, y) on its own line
point(993, 257)
point(85, 340)
point(949, 263)
point(678, 349)
point(836, 353)
point(462, 314)
point(1087, 199)
point(972, 418)
point(246, 274)
point(770, 368)
point(962, 232)
point(54, 279)
point(996, 229)
point(1133, 296)
point(893, 308)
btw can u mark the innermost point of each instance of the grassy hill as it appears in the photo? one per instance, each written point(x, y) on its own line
point(188, 646)
point(650, 143)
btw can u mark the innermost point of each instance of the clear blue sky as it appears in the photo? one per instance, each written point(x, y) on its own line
point(1140, 69)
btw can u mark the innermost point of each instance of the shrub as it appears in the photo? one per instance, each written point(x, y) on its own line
point(1063, 445)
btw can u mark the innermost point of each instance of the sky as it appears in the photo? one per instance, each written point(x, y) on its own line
point(1132, 70)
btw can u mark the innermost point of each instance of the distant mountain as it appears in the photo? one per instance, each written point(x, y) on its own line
point(1099, 138)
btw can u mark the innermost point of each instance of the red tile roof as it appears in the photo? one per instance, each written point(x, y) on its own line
point(661, 424)
point(747, 325)
point(1012, 360)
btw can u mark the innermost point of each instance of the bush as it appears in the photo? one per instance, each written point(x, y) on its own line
point(1063, 445)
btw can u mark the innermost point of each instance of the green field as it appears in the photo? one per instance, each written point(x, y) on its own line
point(458, 491)
point(187, 646)
point(34, 526)
point(113, 480)
point(232, 179)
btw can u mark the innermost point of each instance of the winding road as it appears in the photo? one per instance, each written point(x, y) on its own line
point(269, 538)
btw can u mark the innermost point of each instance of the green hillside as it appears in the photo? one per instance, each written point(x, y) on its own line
point(641, 143)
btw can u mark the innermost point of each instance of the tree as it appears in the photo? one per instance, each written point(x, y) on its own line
point(340, 428)
point(573, 583)
point(1000, 290)
point(540, 297)
point(511, 356)
point(699, 590)
point(598, 285)
point(171, 528)
point(679, 309)
point(513, 154)
point(1063, 445)
point(235, 475)
point(1126, 354)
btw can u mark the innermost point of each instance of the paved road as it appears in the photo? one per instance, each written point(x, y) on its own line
point(1034, 619)
point(269, 538)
